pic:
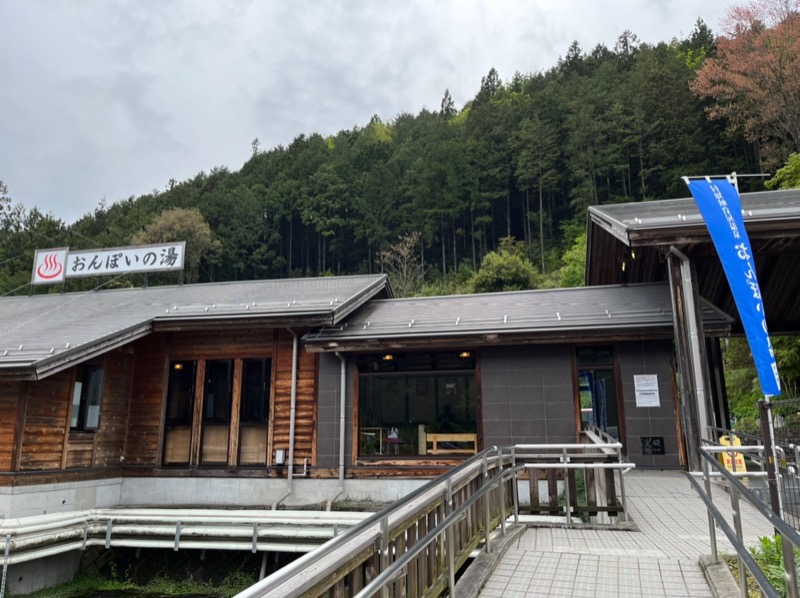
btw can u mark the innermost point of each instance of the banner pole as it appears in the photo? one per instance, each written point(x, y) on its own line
point(768, 431)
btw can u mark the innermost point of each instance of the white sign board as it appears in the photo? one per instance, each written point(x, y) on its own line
point(49, 265)
point(646, 387)
point(53, 265)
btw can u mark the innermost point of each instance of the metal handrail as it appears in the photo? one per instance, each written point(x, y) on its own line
point(391, 572)
point(789, 537)
point(300, 565)
point(308, 571)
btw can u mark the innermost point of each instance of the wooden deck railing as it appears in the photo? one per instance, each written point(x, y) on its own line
point(414, 547)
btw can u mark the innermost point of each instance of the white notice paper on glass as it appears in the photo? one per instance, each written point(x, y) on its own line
point(646, 386)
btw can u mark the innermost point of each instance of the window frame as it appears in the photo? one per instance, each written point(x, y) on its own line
point(184, 410)
point(443, 368)
point(202, 414)
point(610, 364)
point(89, 382)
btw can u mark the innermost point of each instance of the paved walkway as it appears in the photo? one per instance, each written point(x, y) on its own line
point(661, 559)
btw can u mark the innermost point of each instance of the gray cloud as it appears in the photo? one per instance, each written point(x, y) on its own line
point(112, 99)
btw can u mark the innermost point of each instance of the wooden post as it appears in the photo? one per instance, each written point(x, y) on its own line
point(689, 403)
point(197, 415)
point(236, 401)
point(552, 488)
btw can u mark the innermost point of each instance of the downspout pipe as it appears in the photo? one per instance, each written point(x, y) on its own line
point(342, 418)
point(292, 413)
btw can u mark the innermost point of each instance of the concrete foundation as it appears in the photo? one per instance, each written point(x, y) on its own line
point(42, 499)
point(258, 493)
point(25, 578)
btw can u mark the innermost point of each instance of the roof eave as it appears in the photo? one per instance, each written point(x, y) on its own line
point(610, 225)
point(26, 372)
point(66, 359)
point(183, 323)
point(485, 337)
point(360, 298)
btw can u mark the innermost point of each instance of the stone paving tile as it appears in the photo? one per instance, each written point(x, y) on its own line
point(658, 560)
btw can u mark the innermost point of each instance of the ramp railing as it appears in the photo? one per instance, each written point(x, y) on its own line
point(416, 546)
point(731, 525)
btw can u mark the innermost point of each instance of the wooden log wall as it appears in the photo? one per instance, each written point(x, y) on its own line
point(45, 426)
point(221, 344)
point(305, 446)
point(35, 416)
point(109, 447)
point(11, 404)
point(36, 420)
point(104, 447)
point(150, 378)
point(147, 397)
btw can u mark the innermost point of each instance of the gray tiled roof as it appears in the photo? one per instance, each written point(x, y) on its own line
point(767, 206)
point(491, 316)
point(47, 332)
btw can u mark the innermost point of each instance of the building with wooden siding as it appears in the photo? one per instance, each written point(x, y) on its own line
point(305, 391)
point(163, 385)
point(164, 395)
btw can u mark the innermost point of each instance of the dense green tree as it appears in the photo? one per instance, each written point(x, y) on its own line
point(505, 269)
point(788, 176)
point(179, 224)
point(522, 159)
point(573, 271)
point(537, 157)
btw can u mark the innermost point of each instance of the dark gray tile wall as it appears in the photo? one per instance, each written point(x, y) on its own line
point(649, 357)
point(527, 395)
point(328, 411)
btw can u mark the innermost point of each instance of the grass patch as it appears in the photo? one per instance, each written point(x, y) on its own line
point(88, 585)
point(84, 585)
point(768, 555)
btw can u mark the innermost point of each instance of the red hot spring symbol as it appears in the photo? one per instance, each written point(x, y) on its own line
point(50, 267)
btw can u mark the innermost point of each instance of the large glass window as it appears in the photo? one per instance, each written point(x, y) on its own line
point(180, 404)
point(87, 394)
point(417, 404)
point(254, 412)
point(216, 412)
point(216, 423)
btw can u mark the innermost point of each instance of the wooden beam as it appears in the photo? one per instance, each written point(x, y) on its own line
point(197, 412)
point(236, 401)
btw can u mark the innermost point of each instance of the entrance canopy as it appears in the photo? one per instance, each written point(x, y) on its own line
point(627, 243)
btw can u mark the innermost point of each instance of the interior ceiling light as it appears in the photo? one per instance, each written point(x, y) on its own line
point(178, 366)
point(388, 357)
point(464, 354)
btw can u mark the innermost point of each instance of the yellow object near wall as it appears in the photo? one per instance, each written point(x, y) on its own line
point(733, 462)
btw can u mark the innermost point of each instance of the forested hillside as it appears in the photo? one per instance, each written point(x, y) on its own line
point(523, 159)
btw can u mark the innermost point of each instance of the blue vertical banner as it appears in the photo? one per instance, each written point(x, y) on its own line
point(721, 208)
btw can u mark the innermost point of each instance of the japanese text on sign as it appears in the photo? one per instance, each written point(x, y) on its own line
point(118, 260)
point(720, 206)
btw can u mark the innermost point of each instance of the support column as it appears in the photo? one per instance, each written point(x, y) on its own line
point(690, 345)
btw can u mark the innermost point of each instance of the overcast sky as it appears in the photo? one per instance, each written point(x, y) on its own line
point(108, 99)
